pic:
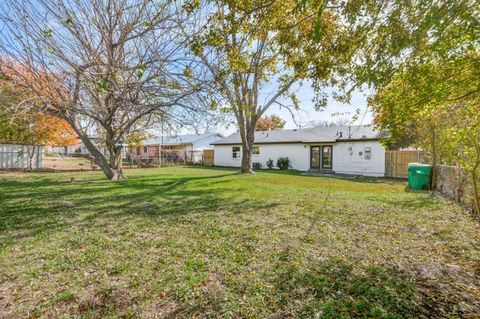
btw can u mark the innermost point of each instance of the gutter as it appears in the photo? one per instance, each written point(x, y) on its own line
point(304, 142)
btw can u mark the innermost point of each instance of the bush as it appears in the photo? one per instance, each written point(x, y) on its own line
point(283, 163)
point(270, 163)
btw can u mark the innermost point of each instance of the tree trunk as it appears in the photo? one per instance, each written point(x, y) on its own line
point(434, 161)
point(116, 163)
point(246, 159)
point(475, 191)
point(31, 155)
point(247, 149)
point(113, 168)
point(115, 157)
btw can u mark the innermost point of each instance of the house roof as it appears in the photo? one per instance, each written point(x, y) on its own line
point(179, 139)
point(310, 135)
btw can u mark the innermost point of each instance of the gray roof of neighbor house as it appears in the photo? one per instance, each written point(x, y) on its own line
point(309, 135)
point(179, 139)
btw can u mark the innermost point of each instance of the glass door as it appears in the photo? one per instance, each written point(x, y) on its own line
point(327, 157)
point(315, 157)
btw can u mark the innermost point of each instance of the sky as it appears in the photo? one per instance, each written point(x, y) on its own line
point(307, 114)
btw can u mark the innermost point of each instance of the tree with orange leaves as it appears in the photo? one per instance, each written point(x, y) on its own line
point(31, 127)
point(58, 132)
point(270, 123)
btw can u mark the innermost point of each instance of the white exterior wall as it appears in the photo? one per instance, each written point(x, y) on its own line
point(299, 155)
point(347, 158)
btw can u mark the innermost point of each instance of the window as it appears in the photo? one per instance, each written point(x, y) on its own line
point(144, 149)
point(367, 153)
point(256, 150)
point(138, 150)
point(236, 152)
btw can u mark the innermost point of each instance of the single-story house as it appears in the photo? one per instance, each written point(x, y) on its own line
point(354, 149)
point(174, 149)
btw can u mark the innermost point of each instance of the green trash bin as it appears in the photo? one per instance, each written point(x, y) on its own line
point(419, 175)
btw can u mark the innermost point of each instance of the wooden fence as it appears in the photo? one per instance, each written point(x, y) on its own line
point(396, 162)
point(208, 157)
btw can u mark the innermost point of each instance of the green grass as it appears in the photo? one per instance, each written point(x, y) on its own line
point(197, 242)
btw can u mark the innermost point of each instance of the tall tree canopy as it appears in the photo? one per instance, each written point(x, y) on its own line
point(428, 86)
point(104, 66)
point(257, 51)
point(436, 106)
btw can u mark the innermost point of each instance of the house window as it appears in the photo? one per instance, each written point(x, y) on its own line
point(138, 150)
point(144, 149)
point(256, 150)
point(367, 154)
point(236, 152)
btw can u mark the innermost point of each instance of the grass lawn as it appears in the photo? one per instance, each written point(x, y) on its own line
point(197, 242)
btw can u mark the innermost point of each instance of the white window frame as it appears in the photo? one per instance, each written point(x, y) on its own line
point(238, 153)
point(253, 151)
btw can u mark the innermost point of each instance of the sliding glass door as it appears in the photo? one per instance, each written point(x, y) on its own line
point(315, 157)
point(321, 157)
point(327, 157)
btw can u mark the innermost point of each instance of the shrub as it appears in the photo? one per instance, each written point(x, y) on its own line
point(270, 163)
point(283, 163)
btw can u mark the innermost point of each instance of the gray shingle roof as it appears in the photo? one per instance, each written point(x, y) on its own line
point(310, 135)
point(179, 139)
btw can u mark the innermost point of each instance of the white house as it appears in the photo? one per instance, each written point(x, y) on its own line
point(354, 149)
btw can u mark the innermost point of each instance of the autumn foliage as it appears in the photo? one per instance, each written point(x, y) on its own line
point(56, 131)
point(270, 123)
point(28, 123)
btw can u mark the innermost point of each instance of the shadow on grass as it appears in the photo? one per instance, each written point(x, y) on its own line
point(289, 172)
point(348, 289)
point(35, 206)
point(428, 200)
point(342, 289)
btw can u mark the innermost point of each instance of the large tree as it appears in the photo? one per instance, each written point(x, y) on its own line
point(258, 51)
point(104, 66)
point(424, 66)
point(436, 105)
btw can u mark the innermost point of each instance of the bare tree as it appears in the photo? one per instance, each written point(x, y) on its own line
point(106, 65)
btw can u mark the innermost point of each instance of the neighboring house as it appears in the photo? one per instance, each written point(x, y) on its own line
point(352, 149)
point(174, 149)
